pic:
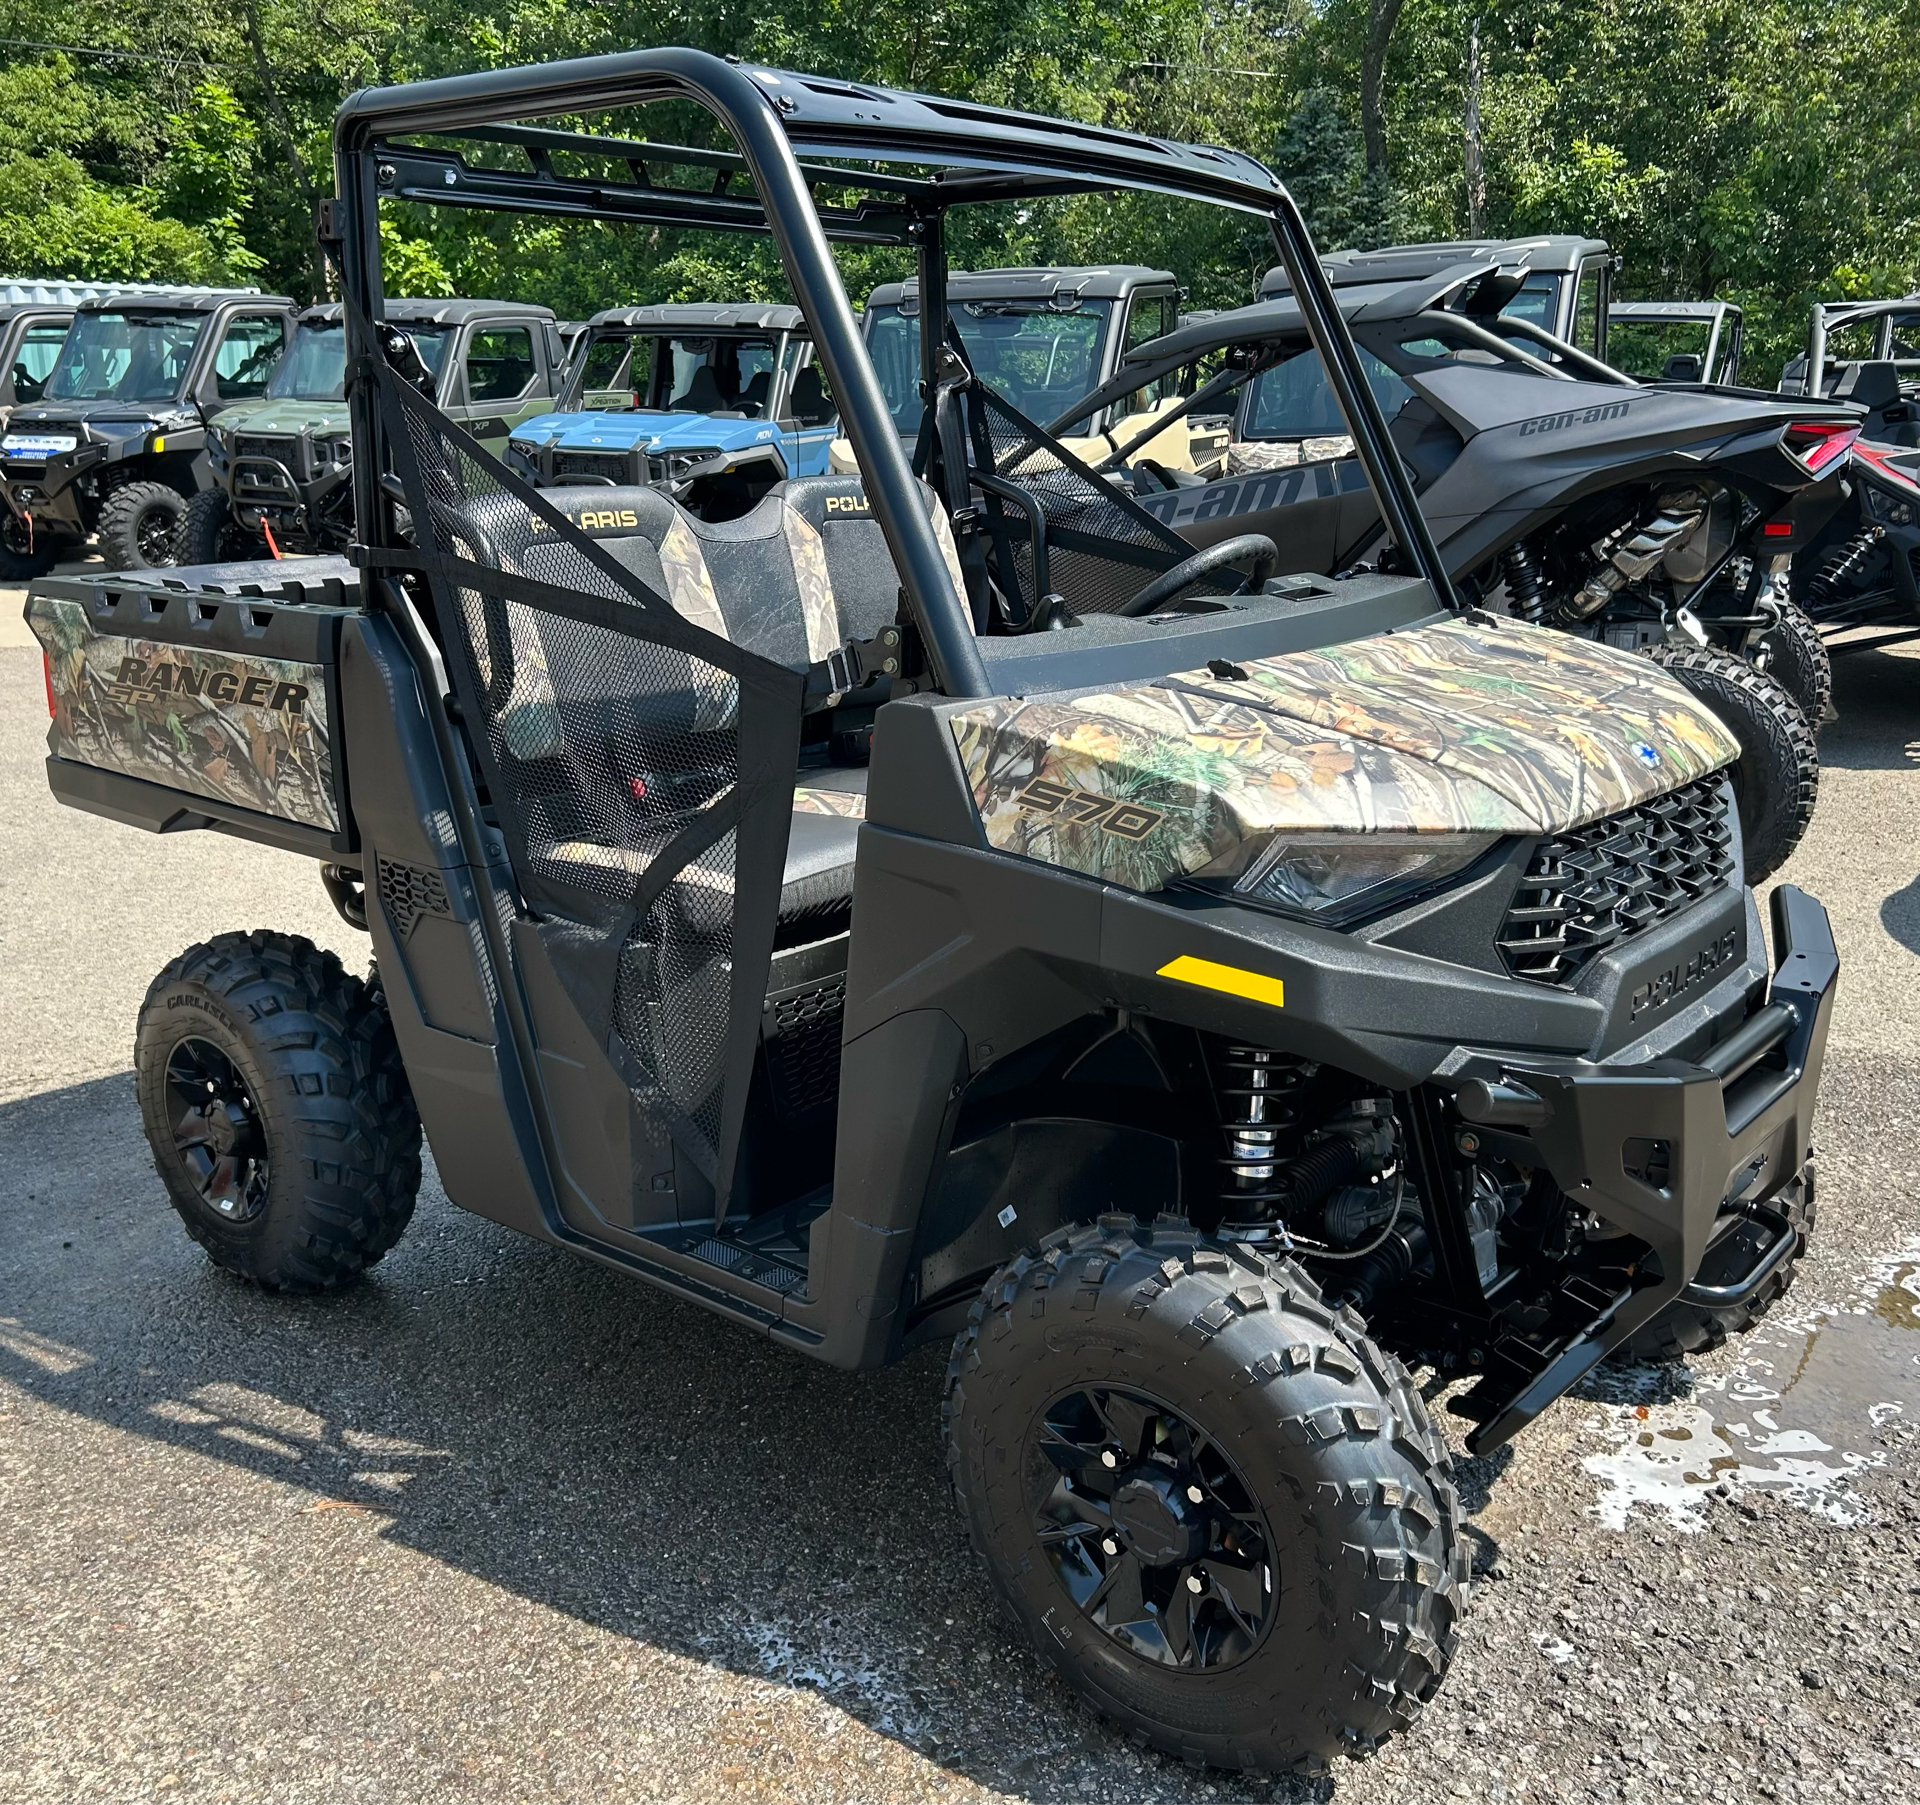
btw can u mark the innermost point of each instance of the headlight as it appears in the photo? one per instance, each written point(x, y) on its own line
point(1335, 878)
point(216, 441)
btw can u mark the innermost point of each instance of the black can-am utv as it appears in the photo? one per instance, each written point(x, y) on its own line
point(116, 442)
point(1556, 489)
point(1195, 1016)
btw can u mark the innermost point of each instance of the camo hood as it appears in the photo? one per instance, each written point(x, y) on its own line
point(1470, 726)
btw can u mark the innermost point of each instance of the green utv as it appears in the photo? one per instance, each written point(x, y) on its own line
point(282, 466)
point(115, 442)
point(1206, 1006)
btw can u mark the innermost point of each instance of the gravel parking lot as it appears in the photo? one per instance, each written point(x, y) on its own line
point(498, 1525)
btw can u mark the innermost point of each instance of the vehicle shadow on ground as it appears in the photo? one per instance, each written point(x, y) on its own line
point(1900, 916)
point(560, 1431)
point(1877, 696)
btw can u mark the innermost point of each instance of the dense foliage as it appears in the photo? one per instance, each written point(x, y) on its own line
point(1762, 150)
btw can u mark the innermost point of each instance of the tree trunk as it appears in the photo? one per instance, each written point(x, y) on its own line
point(1382, 16)
point(277, 112)
point(1476, 168)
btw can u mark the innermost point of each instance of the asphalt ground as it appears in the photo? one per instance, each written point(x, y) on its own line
point(497, 1525)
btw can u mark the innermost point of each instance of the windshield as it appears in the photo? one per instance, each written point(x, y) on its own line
point(315, 366)
point(1294, 400)
point(1537, 303)
point(1035, 357)
point(125, 357)
point(1659, 350)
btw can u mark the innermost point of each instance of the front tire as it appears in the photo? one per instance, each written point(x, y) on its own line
point(209, 534)
point(1220, 1511)
point(1777, 778)
point(139, 523)
point(278, 1111)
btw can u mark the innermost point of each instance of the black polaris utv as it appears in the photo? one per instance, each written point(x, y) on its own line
point(116, 443)
point(1655, 518)
point(281, 465)
point(1195, 1016)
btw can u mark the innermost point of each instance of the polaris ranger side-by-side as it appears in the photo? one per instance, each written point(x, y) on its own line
point(1222, 989)
point(282, 465)
point(116, 441)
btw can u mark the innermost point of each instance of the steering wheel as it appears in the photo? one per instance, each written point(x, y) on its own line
point(1169, 583)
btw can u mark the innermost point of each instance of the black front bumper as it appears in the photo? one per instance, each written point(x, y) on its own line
point(1660, 1150)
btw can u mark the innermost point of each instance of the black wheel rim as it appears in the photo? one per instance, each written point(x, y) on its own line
point(217, 1131)
point(1151, 1529)
point(153, 532)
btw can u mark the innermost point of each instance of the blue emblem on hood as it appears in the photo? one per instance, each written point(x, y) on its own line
point(1646, 754)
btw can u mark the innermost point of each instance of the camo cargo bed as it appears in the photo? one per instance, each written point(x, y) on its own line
point(201, 697)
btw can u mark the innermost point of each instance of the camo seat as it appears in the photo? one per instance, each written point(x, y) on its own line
point(802, 572)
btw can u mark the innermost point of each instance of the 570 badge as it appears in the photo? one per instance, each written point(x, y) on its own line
point(1082, 807)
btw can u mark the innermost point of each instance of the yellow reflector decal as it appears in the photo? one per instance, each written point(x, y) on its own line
point(1252, 985)
point(159, 444)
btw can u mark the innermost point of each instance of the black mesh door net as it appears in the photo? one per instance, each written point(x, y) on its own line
point(640, 768)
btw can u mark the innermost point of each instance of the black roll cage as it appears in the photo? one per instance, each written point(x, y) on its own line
point(775, 117)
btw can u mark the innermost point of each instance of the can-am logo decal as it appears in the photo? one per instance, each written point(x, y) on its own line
point(1677, 980)
point(1082, 807)
point(1579, 416)
point(138, 678)
point(1233, 496)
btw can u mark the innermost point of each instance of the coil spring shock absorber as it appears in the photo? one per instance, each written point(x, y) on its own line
point(1844, 566)
point(1525, 585)
point(1258, 1091)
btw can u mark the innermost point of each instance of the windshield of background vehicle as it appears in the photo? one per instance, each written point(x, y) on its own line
point(1644, 348)
point(1037, 359)
point(633, 372)
point(1294, 400)
point(315, 365)
point(125, 357)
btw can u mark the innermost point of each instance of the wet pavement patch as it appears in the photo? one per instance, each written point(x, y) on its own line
point(1808, 1405)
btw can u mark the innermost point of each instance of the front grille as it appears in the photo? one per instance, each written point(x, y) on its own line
point(614, 464)
point(1599, 887)
point(252, 445)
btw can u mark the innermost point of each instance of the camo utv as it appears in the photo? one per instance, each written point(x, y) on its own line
point(1221, 989)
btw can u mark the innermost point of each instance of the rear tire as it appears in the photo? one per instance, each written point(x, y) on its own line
point(24, 555)
point(1682, 1328)
point(139, 523)
point(209, 533)
point(1798, 660)
point(1213, 1375)
point(278, 1110)
point(1777, 779)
